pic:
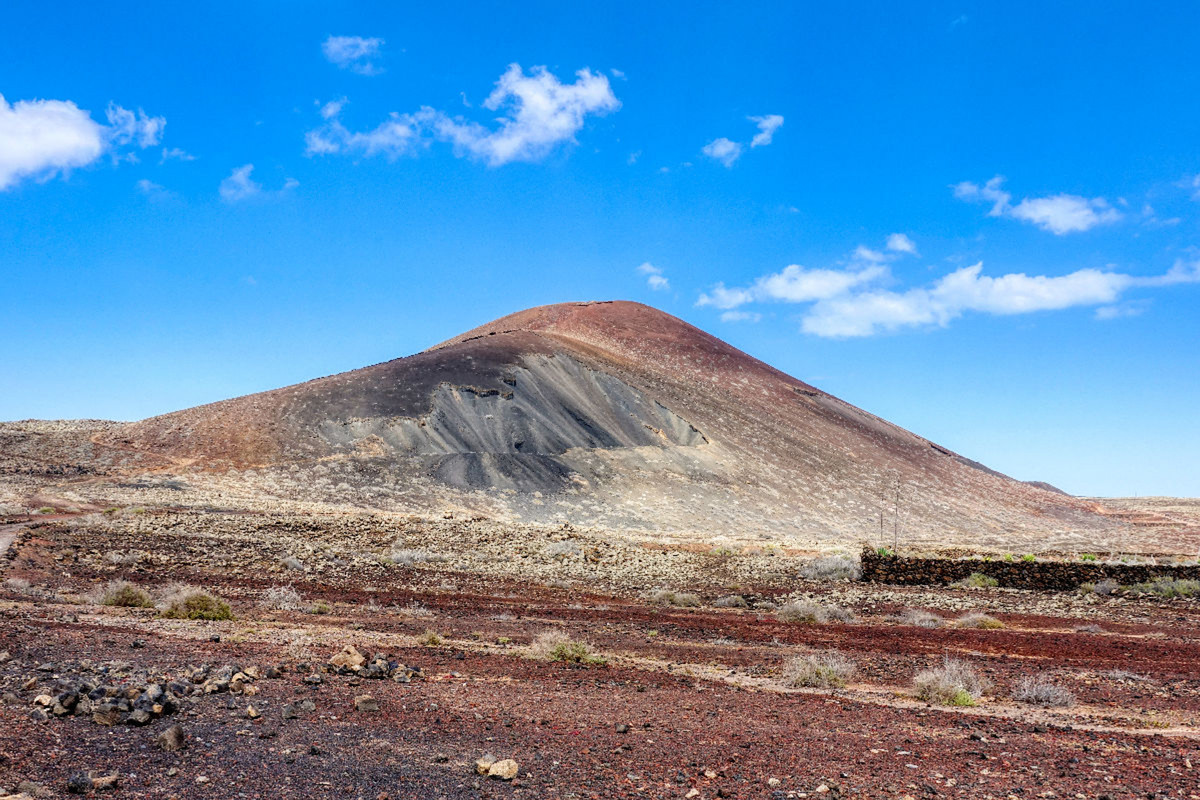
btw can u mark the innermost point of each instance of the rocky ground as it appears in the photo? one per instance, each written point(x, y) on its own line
point(400, 665)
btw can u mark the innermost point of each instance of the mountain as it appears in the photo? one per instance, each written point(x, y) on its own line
point(607, 414)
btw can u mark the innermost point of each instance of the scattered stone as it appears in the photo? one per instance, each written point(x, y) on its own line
point(106, 783)
point(349, 657)
point(366, 703)
point(484, 763)
point(622, 727)
point(441, 758)
point(505, 769)
point(172, 739)
point(252, 712)
point(139, 717)
point(39, 715)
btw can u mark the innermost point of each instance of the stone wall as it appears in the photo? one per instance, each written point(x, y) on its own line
point(910, 570)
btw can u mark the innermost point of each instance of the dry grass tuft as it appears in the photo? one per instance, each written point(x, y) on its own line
point(954, 683)
point(832, 568)
point(813, 613)
point(191, 603)
point(554, 645)
point(827, 669)
point(1037, 690)
point(124, 594)
point(918, 617)
point(667, 597)
point(977, 619)
point(281, 598)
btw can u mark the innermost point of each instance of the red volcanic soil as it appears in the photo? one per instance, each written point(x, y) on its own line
point(689, 699)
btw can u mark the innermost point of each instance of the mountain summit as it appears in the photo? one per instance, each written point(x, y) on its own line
point(610, 414)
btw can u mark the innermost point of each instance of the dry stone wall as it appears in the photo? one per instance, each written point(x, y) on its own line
point(913, 570)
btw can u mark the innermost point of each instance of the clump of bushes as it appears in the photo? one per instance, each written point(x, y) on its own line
point(1039, 691)
point(1168, 587)
point(832, 568)
point(430, 638)
point(281, 598)
point(954, 683)
point(190, 603)
point(558, 646)
point(977, 619)
point(1104, 588)
point(976, 580)
point(731, 601)
point(918, 617)
point(667, 597)
point(124, 594)
point(320, 607)
point(827, 669)
point(813, 613)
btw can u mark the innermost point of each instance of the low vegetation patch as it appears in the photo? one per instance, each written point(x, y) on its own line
point(1038, 690)
point(558, 646)
point(731, 601)
point(430, 638)
point(1168, 587)
point(281, 598)
point(190, 603)
point(564, 549)
point(667, 597)
point(1104, 588)
point(976, 580)
point(813, 613)
point(832, 568)
point(954, 683)
point(827, 669)
point(918, 617)
point(320, 607)
point(124, 594)
point(977, 619)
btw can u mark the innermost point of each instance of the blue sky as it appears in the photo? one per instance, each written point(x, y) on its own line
point(977, 220)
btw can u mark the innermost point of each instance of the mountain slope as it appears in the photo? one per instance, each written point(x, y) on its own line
point(612, 414)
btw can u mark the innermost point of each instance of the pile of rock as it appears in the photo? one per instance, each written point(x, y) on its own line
point(114, 693)
point(380, 666)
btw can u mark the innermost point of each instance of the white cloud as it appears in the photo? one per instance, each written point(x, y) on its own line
point(767, 125)
point(1060, 213)
point(40, 139)
point(1195, 186)
point(240, 186)
point(125, 126)
point(723, 150)
point(354, 53)
point(740, 316)
point(899, 243)
point(153, 190)
point(654, 276)
point(539, 114)
point(728, 151)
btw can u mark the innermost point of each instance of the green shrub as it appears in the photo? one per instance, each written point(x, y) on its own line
point(198, 605)
point(883, 552)
point(976, 580)
point(1087, 557)
point(1168, 587)
point(1029, 558)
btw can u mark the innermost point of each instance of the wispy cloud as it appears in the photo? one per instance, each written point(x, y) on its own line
point(727, 151)
point(174, 153)
point(899, 243)
point(40, 139)
point(153, 190)
point(1060, 213)
point(539, 113)
point(239, 186)
point(740, 316)
point(355, 53)
point(654, 276)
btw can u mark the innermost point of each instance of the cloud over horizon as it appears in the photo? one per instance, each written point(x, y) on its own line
point(851, 301)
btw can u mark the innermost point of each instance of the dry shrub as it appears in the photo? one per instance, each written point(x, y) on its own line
point(564, 549)
point(977, 619)
point(430, 638)
point(188, 602)
point(976, 580)
point(124, 595)
point(832, 568)
point(291, 562)
point(731, 601)
point(954, 683)
point(667, 597)
point(1037, 690)
point(827, 669)
point(813, 613)
point(556, 645)
point(281, 598)
point(918, 617)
